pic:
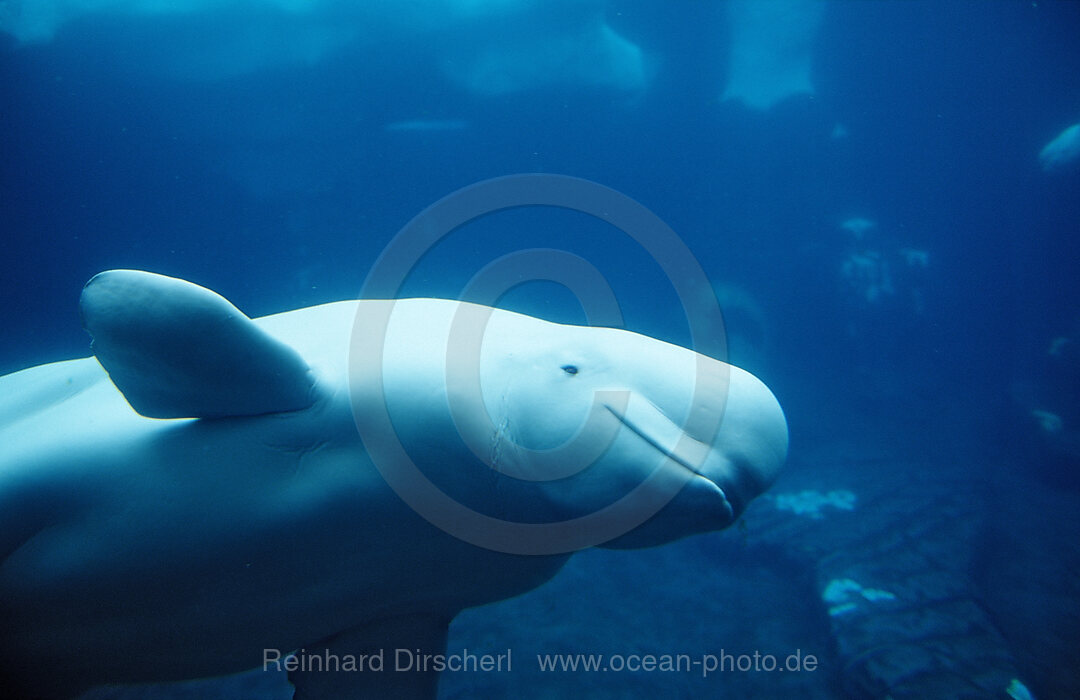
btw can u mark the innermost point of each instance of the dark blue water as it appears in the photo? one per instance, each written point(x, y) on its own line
point(279, 185)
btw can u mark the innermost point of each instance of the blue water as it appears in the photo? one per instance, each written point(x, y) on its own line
point(277, 183)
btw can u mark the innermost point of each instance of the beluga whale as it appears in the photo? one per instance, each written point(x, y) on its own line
point(208, 492)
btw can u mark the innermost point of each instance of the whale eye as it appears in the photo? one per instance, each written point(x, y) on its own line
point(570, 369)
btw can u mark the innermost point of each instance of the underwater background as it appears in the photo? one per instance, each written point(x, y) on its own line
point(861, 182)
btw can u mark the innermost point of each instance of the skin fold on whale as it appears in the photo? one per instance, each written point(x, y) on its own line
point(199, 491)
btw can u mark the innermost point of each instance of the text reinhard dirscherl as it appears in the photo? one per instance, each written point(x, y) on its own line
point(415, 660)
point(403, 660)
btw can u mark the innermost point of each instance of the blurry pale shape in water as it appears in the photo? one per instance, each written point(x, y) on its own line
point(844, 595)
point(589, 54)
point(770, 50)
point(869, 273)
point(1018, 691)
point(1048, 422)
point(915, 257)
point(487, 46)
point(1063, 151)
point(858, 226)
point(810, 503)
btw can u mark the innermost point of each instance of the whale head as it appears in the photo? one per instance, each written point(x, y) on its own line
point(574, 420)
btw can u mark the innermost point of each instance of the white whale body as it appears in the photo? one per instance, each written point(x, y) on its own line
point(199, 491)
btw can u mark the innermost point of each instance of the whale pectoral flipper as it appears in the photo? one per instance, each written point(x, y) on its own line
point(389, 658)
point(178, 350)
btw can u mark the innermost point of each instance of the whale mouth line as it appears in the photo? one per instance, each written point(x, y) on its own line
point(670, 454)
